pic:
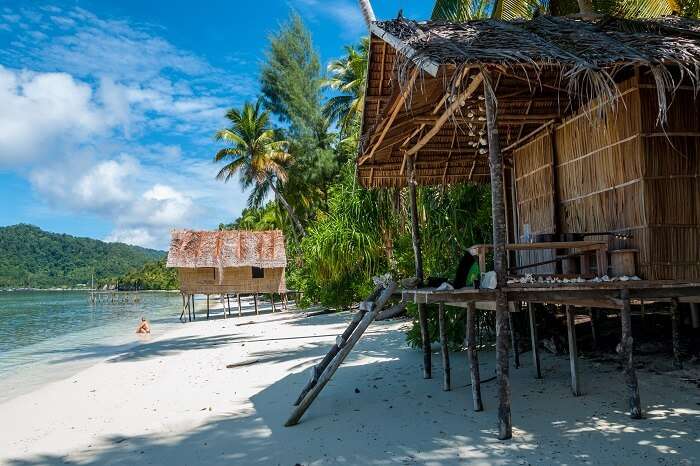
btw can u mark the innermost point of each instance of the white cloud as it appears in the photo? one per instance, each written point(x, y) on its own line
point(44, 112)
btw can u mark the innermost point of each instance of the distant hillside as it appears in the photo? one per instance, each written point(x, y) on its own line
point(32, 257)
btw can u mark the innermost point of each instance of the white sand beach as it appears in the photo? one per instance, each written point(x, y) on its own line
point(172, 401)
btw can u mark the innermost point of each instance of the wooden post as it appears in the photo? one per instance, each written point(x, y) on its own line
point(207, 307)
point(272, 300)
point(223, 304)
point(285, 302)
point(594, 338)
point(473, 356)
point(194, 316)
point(446, 386)
point(255, 302)
point(342, 354)
point(182, 314)
point(418, 255)
point(240, 312)
point(534, 341)
point(676, 334)
point(514, 340)
point(625, 348)
point(573, 351)
point(505, 425)
point(228, 302)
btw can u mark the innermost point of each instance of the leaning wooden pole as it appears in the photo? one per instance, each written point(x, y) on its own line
point(625, 349)
point(498, 212)
point(473, 356)
point(573, 351)
point(342, 354)
point(418, 255)
point(534, 341)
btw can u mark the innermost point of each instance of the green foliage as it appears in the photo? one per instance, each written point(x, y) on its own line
point(152, 276)
point(257, 219)
point(31, 257)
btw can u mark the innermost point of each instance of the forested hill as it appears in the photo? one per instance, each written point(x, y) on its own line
point(32, 257)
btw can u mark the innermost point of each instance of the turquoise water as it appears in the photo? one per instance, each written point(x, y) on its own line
point(50, 335)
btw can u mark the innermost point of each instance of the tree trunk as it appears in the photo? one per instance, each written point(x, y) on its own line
point(585, 7)
point(498, 213)
point(367, 12)
point(290, 211)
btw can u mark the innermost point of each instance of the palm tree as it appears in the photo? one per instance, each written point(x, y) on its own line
point(463, 10)
point(348, 76)
point(256, 155)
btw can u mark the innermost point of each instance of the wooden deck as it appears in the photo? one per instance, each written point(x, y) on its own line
point(605, 294)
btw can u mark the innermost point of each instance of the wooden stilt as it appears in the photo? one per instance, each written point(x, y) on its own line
point(228, 302)
point(240, 312)
point(418, 256)
point(255, 302)
point(473, 356)
point(514, 340)
point(182, 314)
point(534, 341)
point(695, 315)
point(446, 385)
point(325, 377)
point(676, 334)
point(223, 305)
point(207, 307)
point(284, 301)
point(573, 351)
point(272, 300)
point(194, 315)
point(625, 348)
point(592, 315)
point(505, 424)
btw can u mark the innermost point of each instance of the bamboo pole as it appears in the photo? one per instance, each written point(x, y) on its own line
point(418, 256)
point(505, 425)
point(446, 385)
point(534, 341)
point(473, 356)
point(342, 354)
point(625, 349)
point(573, 351)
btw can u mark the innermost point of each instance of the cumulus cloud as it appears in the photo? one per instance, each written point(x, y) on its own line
point(42, 113)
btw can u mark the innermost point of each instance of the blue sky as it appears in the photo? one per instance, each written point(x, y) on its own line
point(107, 108)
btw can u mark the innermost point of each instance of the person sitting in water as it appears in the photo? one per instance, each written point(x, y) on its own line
point(143, 327)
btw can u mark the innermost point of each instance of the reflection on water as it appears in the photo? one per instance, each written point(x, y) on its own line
point(41, 330)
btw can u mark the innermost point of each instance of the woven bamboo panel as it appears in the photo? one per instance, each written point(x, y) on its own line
point(235, 280)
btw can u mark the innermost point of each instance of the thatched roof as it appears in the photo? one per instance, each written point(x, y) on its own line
point(232, 248)
point(543, 70)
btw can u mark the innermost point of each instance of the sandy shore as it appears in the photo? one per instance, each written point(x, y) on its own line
point(172, 401)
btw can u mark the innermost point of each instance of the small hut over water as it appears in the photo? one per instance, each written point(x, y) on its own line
point(588, 131)
point(228, 262)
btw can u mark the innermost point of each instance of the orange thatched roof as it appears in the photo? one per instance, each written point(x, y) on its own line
point(232, 248)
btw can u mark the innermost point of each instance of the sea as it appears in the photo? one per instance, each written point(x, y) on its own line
point(51, 335)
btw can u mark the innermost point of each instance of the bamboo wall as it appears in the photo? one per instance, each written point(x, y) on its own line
point(235, 280)
point(621, 173)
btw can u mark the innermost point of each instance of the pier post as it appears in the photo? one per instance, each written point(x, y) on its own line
point(625, 348)
point(573, 350)
point(473, 356)
point(534, 340)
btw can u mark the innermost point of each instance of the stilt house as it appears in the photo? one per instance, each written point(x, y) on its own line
point(228, 262)
point(588, 131)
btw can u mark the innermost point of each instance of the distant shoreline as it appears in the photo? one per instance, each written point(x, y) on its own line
point(9, 290)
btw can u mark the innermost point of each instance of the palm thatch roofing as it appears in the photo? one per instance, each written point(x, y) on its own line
point(425, 89)
point(231, 248)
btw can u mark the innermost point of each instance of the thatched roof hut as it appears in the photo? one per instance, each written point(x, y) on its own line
point(579, 125)
point(210, 262)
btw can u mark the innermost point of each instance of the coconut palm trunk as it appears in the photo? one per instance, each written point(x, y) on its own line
point(290, 211)
point(367, 11)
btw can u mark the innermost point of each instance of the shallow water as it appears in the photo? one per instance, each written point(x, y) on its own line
point(50, 335)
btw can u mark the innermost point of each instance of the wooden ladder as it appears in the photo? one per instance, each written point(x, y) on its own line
point(323, 371)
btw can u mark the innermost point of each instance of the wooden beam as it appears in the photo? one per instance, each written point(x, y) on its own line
point(454, 106)
point(396, 107)
point(432, 119)
point(429, 66)
point(532, 133)
point(505, 424)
